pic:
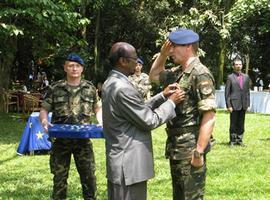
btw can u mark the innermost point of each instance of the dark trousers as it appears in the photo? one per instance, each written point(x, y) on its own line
point(237, 126)
point(83, 154)
point(136, 191)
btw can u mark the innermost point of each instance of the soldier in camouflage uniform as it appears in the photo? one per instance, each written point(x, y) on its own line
point(190, 131)
point(141, 81)
point(72, 101)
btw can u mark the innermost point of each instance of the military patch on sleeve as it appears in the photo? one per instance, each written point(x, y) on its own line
point(203, 83)
point(207, 90)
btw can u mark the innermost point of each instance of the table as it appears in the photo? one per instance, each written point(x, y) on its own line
point(259, 101)
point(34, 137)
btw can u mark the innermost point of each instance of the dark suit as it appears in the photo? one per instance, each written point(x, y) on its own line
point(127, 122)
point(239, 100)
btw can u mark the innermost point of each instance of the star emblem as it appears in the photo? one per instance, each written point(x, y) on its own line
point(39, 135)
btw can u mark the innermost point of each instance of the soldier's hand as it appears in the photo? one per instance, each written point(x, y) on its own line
point(178, 96)
point(45, 124)
point(170, 89)
point(197, 162)
point(165, 49)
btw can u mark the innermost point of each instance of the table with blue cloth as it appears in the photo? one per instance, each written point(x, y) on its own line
point(259, 101)
point(34, 137)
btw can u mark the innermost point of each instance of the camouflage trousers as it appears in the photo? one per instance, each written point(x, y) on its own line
point(60, 158)
point(188, 182)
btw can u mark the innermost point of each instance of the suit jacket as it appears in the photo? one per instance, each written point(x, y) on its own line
point(236, 97)
point(127, 124)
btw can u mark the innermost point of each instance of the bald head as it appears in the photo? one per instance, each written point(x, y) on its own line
point(120, 49)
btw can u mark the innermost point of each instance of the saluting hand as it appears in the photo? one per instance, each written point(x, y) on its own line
point(165, 49)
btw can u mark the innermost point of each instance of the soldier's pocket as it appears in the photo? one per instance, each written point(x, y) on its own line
point(87, 105)
point(185, 144)
point(61, 104)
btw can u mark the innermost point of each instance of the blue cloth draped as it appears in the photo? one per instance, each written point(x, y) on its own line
point(34, 137)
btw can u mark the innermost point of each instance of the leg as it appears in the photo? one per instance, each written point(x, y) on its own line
point(137, 191)
point(233, 126)
point(85, 163)
point(188, 182)
point(59, 164)
point(241, 126)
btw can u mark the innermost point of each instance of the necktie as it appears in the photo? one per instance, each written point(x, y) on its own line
point(240, 80)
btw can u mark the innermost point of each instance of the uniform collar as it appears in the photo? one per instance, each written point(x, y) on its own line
point(191, 64)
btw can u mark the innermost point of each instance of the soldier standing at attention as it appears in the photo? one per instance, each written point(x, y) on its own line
point(141, 80)
point(190, 131)
point(71, 101)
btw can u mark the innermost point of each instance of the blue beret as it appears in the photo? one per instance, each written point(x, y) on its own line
point(183, 36)
point(75, 58)
point(140, 61)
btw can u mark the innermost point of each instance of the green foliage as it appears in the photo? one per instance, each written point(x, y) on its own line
point(52, 28)
point(233, 173)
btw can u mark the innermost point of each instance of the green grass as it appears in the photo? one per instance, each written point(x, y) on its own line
point(233, 173)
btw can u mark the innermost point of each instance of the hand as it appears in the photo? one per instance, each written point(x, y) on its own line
point(197, 162)
point(178, 96)
point(45, 124)
point(170, 89)
point(230, 109)
point(165, 49)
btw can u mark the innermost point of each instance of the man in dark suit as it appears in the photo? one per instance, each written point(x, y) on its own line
point(237, 97)
point(127, 124)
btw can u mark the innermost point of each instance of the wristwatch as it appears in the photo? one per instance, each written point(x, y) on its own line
point(197, 154)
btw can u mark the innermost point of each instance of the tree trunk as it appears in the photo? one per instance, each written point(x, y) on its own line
point(96, 47)
point(6, 60)
point(221, 63)
point(247, 59)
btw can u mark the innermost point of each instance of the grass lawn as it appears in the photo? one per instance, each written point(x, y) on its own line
point(237, 173)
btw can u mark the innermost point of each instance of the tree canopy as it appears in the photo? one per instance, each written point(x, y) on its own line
point(45, 31)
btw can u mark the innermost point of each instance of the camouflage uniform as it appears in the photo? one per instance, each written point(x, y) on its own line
point(183, 130)
point(142, 84)
point(72, 105)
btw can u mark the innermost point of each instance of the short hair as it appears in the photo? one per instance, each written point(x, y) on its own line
point(237, 59)
point(117, 51)
point(195, 47)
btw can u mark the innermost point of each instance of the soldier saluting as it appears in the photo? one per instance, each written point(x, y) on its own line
point(190, 131)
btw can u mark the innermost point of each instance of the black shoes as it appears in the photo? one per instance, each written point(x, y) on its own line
point(241, 144)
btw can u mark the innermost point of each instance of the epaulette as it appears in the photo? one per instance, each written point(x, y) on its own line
point(201, 69)
point(87, 83)
point(59, 83)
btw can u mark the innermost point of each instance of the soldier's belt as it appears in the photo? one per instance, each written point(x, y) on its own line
point(181, 131)
point(75, 131)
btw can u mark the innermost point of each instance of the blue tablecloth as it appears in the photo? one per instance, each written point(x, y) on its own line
point(34, 137)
